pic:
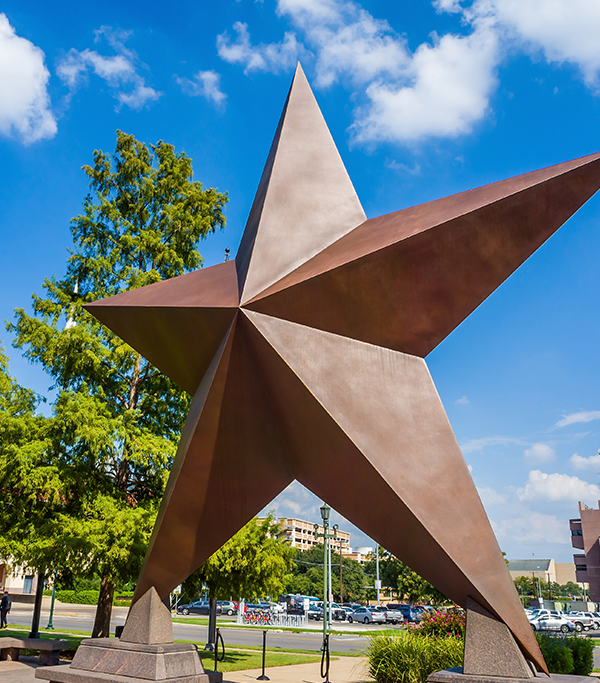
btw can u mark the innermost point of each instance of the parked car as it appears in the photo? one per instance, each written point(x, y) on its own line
point(581, 621)
point(314, 612)
point(198, 607)
point(367, 615)
point(409, 614)
point(393, 615)
point(595, 625)
point(228, 607)
point(552, 622)
point(337, 613)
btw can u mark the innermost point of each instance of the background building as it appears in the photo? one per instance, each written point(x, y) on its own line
point(547, 570)
point(585, 533)
point(16, 581)
point(301, 534)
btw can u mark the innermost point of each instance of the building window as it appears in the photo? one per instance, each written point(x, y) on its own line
point(581, 567)
point(28, 584)
point(576, 532)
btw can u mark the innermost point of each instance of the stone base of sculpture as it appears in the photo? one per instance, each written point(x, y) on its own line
point(493, 656)
point(144, 652)
point(456, 675)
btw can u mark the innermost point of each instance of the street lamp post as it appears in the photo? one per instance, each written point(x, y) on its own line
point(50, 626)
point(326, 536)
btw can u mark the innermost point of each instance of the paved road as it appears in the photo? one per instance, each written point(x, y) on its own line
point(81, 617)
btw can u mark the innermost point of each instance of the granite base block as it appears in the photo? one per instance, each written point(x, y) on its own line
point(111, 659)
point(65, 674)
point(456, 675)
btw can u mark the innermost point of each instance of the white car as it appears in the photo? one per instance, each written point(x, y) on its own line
point(551, 622)
point(366, 615)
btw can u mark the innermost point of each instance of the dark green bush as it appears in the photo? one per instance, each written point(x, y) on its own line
point(397, 657)
point(567, 655)
point(557, 654)
point(582, 650)
point(88, 597)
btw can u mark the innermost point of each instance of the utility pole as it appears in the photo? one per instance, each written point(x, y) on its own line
point(377, 581)
point(341, 579)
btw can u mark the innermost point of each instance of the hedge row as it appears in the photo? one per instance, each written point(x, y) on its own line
point(88, 597)
point(567, 655)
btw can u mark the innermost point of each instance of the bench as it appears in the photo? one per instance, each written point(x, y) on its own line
point(50, 650)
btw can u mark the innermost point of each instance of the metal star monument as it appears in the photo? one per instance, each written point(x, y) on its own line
point(305, 358)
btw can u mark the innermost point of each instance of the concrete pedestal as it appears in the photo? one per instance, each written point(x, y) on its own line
point(456, 675)
point(145, 652)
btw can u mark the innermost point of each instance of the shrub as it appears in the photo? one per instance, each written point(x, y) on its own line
point(570, 655)
point(441, 624)
point(557, 654)
point(582, 650)
point(87, 597)
point(410, 658)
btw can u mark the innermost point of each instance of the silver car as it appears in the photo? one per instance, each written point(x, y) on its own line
point(367, 615)
point(552, 622)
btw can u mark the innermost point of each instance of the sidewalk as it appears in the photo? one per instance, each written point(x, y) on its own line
point(343, 670)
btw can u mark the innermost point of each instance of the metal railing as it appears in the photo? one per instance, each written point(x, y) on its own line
point(266, 618)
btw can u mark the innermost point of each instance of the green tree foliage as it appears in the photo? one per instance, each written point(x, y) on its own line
point(31, 483)
point(307, 575)
point(116, 417)
point(401, 579)
point(253, 564)
point(528, 588)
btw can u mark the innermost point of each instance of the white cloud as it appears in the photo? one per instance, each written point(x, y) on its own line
point(533, 527)
point(273, 57)
point(574, 418)
point(557, 487)
point(490, 496)
point(347, 41)
point(564, 30)
point(464, 401)
point(580, 463)
point(539, 452)
point(25, 108)
point(479, 444)
point(120, 71)
point(443, 88)
point(448, 90)
point(205, 83)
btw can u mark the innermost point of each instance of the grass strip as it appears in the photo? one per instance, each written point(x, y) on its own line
point(239, 660)
point(16, 631)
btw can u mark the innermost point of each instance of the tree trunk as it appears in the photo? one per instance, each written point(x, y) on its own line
point(104, 609)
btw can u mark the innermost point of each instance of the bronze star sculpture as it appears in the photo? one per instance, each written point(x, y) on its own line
point(305, 360)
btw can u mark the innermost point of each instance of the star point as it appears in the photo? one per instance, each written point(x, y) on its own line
point(305, 360)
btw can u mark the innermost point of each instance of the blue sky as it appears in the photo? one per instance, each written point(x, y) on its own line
point(424, 99)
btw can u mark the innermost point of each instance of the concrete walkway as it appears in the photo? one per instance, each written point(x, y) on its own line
point(343, 670)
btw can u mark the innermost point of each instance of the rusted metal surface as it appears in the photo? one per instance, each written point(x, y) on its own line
point(305, 359)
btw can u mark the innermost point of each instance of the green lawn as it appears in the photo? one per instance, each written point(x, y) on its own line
point(235, 660)
point(238, 660)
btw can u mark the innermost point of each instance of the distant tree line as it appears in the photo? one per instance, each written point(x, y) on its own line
point(528, 589)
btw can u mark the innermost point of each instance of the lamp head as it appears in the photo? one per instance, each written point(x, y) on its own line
point(325, 510)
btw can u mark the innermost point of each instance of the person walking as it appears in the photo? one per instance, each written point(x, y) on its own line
point(5, 605)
